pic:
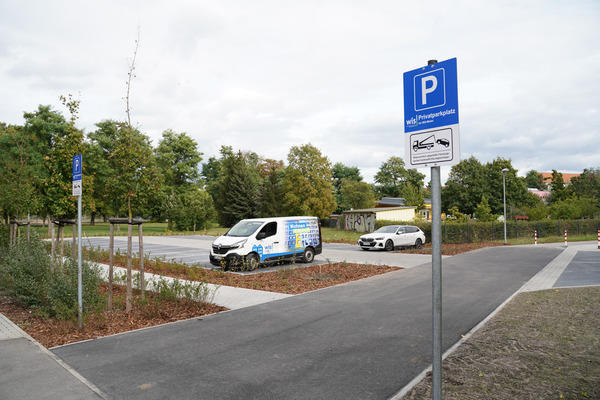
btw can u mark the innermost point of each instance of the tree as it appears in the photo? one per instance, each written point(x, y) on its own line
point(356, 194)
point(41, 130)
point(135, 181)
point(587, 184)
point(516, 189)
point(178, 158)
point(413, 196)
point(18, 191)
point(191, 210)
point(58, 165)
point(271, 188)
point(392, 176)
point(483, 212)
point(534, 180)
point(237, 190)
point(465, 186)
point(338, 173)
point(307, 183)
point(558, 191)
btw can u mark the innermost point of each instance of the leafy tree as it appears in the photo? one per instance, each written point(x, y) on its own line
point(178, 158)
point(307, 183)
point(58, 165)
point(100, 145)
point(212, 174)
point(42, 129)
point(338, 173)
point(516, 189)
point(392, 176)
point(271, 188)
point(483, 212)
point(469, 181)
point(413, 196)
point(573, 208)
point(18, 191)
point(535, 180)
point(539, 212)
point(587, 184)
point(465, 186)
point(237, 190)
point(558, 190)
point(356, 194)
point(136, 180)
point(190, 211)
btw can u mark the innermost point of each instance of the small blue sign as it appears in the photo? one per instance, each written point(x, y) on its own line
point(431, 96)
point(77, 168)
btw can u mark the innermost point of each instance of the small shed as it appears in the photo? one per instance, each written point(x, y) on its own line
point(364, 220)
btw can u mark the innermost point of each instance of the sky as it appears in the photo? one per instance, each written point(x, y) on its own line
point(266, 75)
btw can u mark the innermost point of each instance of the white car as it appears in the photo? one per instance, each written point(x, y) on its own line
point(392, 236)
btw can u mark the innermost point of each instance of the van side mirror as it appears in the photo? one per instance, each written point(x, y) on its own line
point(261, 236)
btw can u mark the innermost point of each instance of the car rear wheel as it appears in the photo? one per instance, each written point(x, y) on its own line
point(418, 244)
point(389, 245)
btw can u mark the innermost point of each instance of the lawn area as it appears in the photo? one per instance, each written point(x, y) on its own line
point(330, 235)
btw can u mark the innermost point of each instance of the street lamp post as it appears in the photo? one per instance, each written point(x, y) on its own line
point(504, 171)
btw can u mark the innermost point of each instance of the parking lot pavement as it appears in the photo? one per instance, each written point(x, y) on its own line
point(354, 254)
point(365, 339)
point(194, 250)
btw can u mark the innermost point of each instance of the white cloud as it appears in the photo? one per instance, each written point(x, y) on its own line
point(266, 75)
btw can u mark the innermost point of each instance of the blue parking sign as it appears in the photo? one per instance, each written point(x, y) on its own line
point(431, 96)
point(77, 168)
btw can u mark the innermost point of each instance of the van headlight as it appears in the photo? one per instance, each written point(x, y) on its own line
point(239, 244)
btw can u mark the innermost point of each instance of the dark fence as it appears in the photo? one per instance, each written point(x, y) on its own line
point(472, 231)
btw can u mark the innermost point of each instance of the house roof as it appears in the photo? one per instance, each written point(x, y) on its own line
point(391, 201)
point(379, 209)
point(566, 177)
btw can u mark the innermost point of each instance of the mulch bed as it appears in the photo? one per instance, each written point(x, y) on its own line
point(52, 332)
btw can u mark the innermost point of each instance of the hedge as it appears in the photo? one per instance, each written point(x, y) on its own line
point(473, 231)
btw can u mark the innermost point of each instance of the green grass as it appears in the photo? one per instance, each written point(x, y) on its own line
point(148, 228)
point(330, 235)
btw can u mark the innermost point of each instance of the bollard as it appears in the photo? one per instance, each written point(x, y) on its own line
point(599, 240)
point(566, 238)
point(535, 237)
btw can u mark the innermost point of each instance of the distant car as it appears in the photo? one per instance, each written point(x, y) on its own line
point(392, 236)
point(443, 141)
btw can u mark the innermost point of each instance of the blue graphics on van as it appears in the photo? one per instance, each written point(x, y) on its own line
point(258, 249)
point(300, 234)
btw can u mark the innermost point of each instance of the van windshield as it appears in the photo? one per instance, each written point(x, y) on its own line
point(244, 228)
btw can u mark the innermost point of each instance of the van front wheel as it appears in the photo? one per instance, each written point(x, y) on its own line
point(309, 255)
point(252, 261)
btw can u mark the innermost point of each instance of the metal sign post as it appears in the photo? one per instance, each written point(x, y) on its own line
point(431, 140)
point(77, 191)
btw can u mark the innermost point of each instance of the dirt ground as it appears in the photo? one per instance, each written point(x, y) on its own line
point(542, 345)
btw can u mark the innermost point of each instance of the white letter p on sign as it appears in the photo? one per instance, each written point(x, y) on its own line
point(425, 89)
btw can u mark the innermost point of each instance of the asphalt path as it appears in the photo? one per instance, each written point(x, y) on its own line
point(194, 250)
point(362, 340)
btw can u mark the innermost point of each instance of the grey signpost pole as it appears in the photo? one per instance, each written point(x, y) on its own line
point(436, 270)
point(78, 191)
point(79, 274)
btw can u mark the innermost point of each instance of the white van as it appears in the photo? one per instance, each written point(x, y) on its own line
point(252, 242)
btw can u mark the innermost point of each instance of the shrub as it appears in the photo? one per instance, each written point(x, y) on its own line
point(28, 273)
